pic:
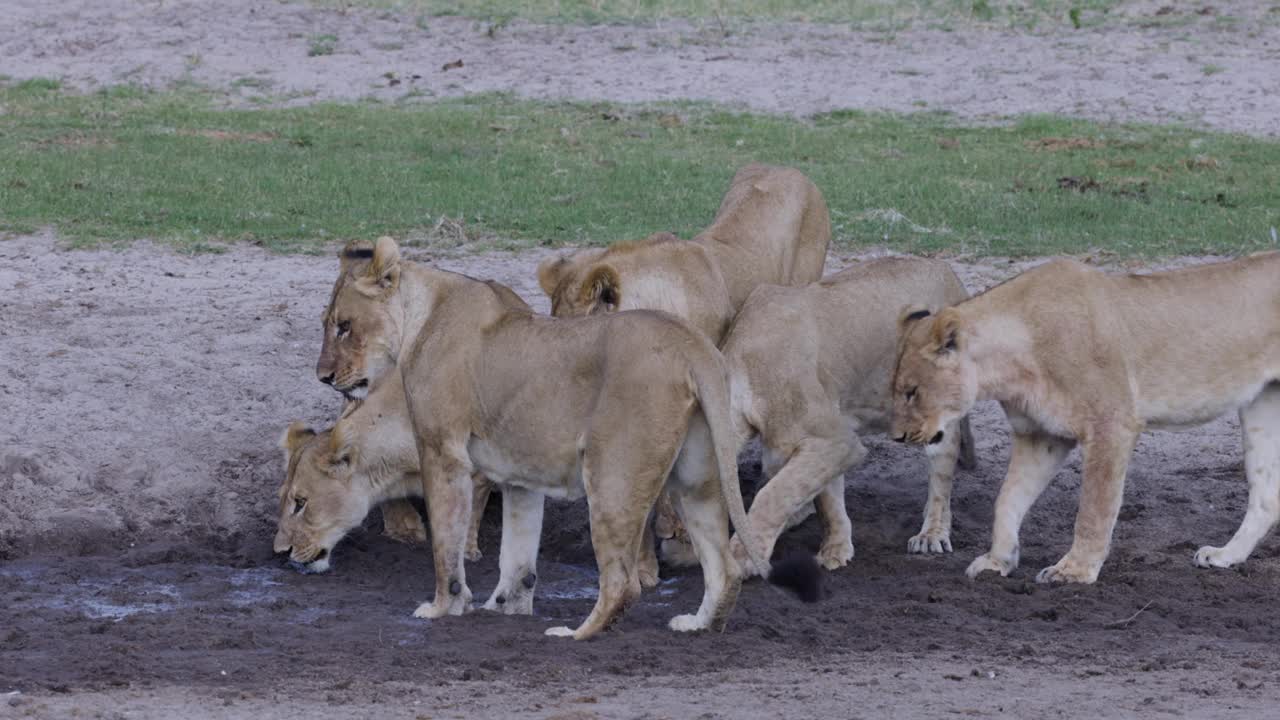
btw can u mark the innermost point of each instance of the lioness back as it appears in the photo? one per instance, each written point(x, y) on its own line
point(772, 227)
point(844, 326)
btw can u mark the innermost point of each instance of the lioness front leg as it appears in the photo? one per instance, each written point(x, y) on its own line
point(448, 493)
point(1034, 461)
point(402, 523)
point(837, 535)
point(1106, 458)
point(518, 555)
point(816, 464)
point(935, 534)
point(1260, 426)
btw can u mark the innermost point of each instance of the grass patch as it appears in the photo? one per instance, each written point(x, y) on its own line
point(116, 166)
point(38, 85)
point(320, 45)
point(863, 13)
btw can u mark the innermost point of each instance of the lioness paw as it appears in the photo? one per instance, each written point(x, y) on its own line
point(455, 605)
point(986, 562)
point(687, 623)
point(648, 576)
point(933, 540)
point(835, 555)
point(408, 535)
point(1068, 571)
point(1209, 556)
point(559, 632)
point(678, 553)
point(510, 603)
point(402, 523)
point(747, 569)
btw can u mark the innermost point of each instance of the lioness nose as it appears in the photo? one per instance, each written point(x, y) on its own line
point(327, 379)
point(936, 438)
point(901, 438)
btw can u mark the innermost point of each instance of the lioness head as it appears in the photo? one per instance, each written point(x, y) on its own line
point(589, 282)
point(317, 503)
point(935, 380)
point(577, 288)
point(361, 331)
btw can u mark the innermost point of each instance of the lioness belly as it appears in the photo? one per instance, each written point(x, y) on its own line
point(1200, 408)
point(552, 476)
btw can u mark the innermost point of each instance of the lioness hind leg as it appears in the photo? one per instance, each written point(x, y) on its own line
point(518, 555)
point(402, 523)
point(1260, 427)
point(648, 558)
point(707, 522)
point(619, 510)
point(677, 551)
point(615, 534)
point(480, 490)
point(935, 534)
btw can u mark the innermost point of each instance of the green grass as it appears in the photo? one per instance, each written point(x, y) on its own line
point(322, 45)
point(874, 13)
point(125, 164)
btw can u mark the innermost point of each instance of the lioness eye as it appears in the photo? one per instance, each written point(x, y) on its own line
point(298, 504)
point(344, 327)
point(911, 392)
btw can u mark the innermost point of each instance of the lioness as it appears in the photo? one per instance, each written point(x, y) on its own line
point(772, 227)
point(810, 371)
point(335, 477)
point(1077, 356)
point(604, 407)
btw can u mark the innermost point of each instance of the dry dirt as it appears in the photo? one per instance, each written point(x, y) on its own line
point(1215, 64)
point(146, 390)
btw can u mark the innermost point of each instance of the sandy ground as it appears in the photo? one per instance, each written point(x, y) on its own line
point(1155, 61)
point(146, 391)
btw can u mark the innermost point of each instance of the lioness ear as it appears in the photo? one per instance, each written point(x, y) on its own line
point(602, 285)
point(948, 331)
point(551, 272)
point(910, 314)
point(342, 446)
point(356, 254)
point(385, 267)
point(294, 437)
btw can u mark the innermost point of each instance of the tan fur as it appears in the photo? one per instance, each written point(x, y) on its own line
point(772, 227)
point(367, 459)
point(604, 407)
point(1080, 357)
point(810, 369)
